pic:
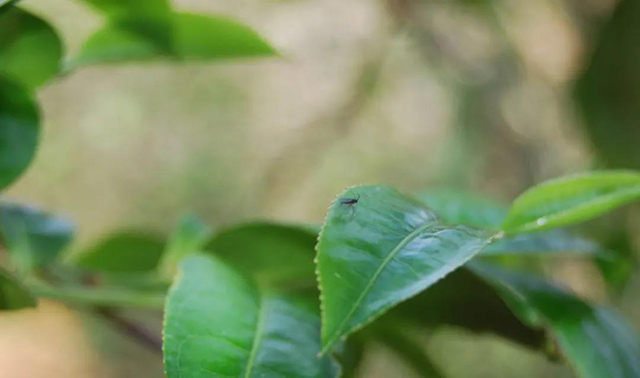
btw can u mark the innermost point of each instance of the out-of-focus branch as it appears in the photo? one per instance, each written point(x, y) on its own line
point(132, 330)
point(304, 153)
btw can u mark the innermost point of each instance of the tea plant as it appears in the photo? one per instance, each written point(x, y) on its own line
point(266, 299)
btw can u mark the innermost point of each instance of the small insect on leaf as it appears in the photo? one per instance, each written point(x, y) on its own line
point(350, 202)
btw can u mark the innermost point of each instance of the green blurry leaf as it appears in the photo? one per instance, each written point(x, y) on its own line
point(33, 238)
point(189, 237)
point(205, 37)
point(460, 207)
point(123, 252)
point(556, 242)
point(114, 44)
point(219, 324)
point(464, 300)
point(128, 8)
point(12, 295)
point(19, 131)
point(183, 37)
point(268, 252)
point(571, 199)
point(608, 91)
point(30, 50)
point(381, 251)
point(596, 341)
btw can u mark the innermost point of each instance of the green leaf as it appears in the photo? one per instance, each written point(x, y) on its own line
point(595, 340)
point(114, 43)
point(137, 8)
point(464, 300)
point(459, 207)
point(123, 252)
point(219, 324)
point(380, 251)
point(608, 90)
point(189, 237)
point(206, 37)
point(13, 296)
point(33, 237)
point(268, 252)
point(30, 50)
point(19, 131)
point(556, 242)
point(571, 199)
point(183, 37)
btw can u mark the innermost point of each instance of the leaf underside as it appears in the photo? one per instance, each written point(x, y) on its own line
point(597, 342)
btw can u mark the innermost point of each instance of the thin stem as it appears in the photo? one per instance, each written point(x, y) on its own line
point(100, 296)
point(132, 330)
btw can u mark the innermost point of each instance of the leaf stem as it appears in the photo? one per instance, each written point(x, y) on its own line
point(100, 296)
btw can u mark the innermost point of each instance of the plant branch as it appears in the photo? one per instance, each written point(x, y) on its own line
point(100, 296)
point(132, 330)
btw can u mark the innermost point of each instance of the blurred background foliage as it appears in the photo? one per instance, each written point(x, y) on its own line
point(491, 96)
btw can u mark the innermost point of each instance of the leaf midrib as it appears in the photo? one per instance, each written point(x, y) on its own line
point(257, 339)
point(403, 243)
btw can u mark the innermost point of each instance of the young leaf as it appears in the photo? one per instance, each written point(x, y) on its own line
point(379, 251)
point(595, 340)
point(123, 252)
point(19, 131)
point(218, 323)
point(33, 238)
point(189, 237)
point(268, 252)
point(459, 207)
point(30, 50)
point(12, 295)
point(571, 199)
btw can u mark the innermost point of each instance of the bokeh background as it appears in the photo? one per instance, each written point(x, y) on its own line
point(492, 96)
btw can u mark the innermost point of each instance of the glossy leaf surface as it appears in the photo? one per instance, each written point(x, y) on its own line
point(597, 342)
point(123, 252)
point(12, 295)
point(268, 252)
point(30, 50)
point(220, 324)
point(33, 237)
point(380, 251)
point(572, 199)
point(19, 131)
